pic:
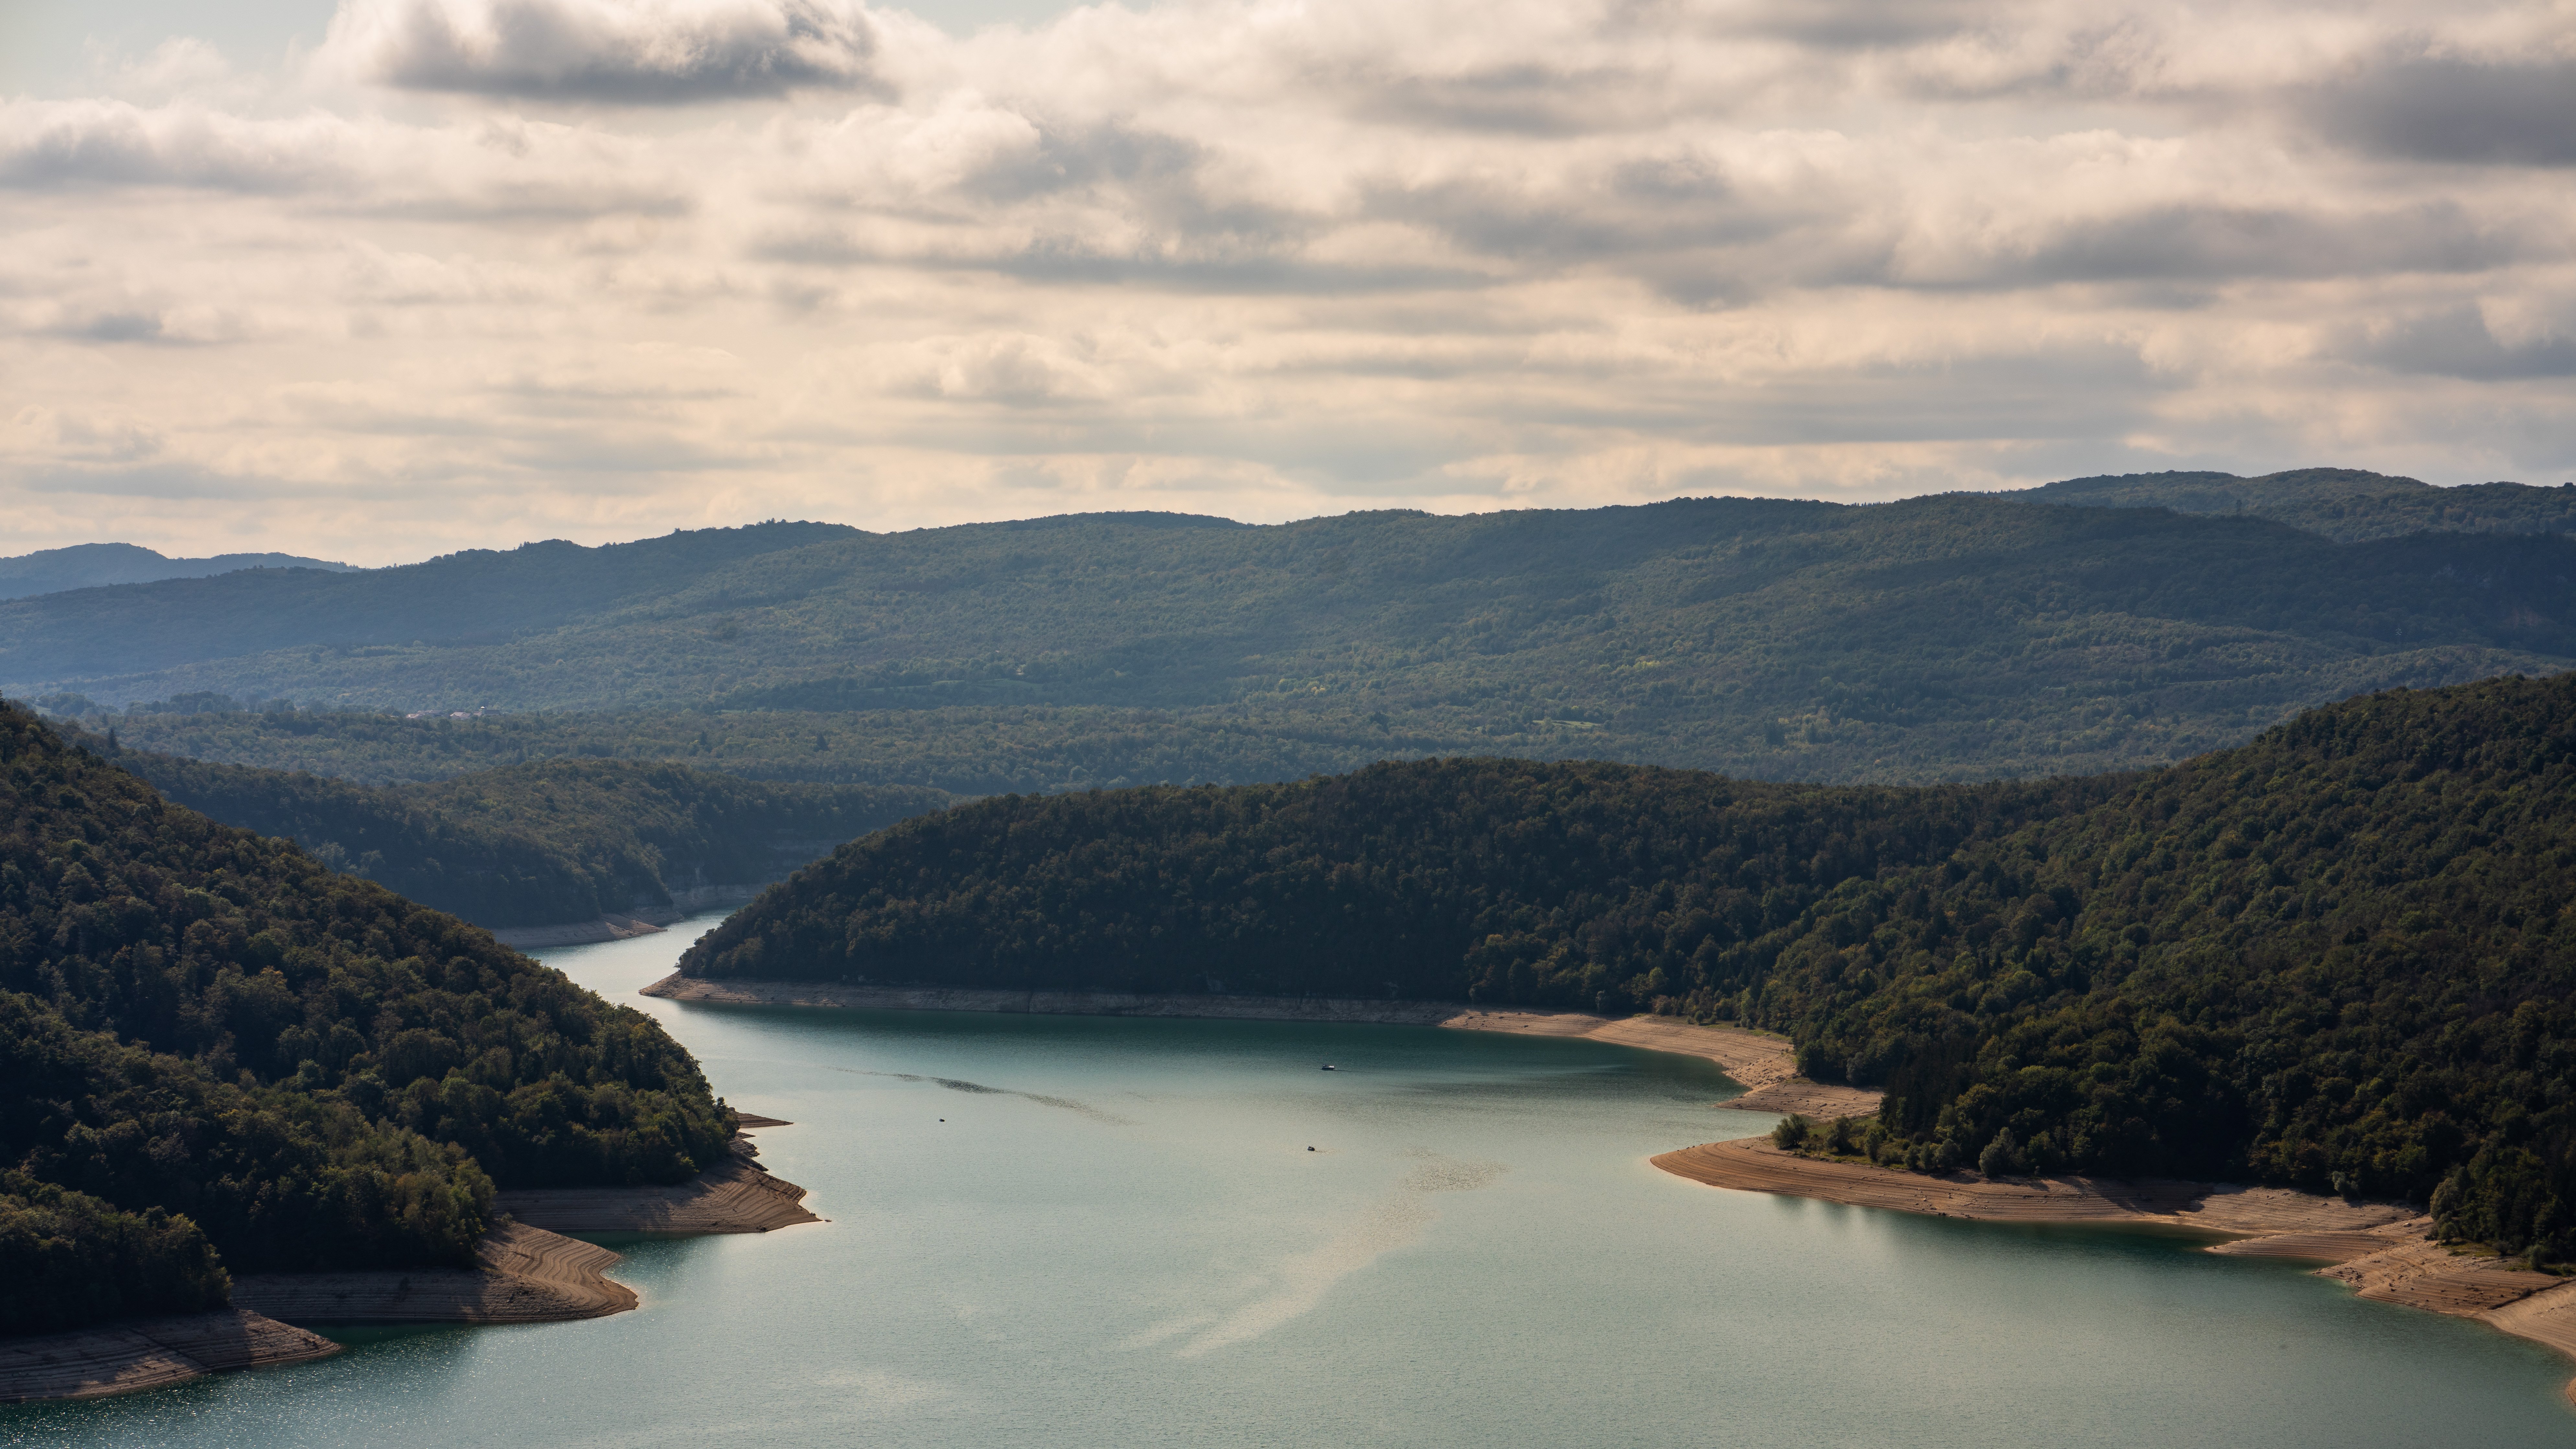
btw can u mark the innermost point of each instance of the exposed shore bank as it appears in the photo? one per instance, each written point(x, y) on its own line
point(527, 1271)
point(2378, 1248)
point(1760, 1062)
point(626, 925)
point(150, 1353)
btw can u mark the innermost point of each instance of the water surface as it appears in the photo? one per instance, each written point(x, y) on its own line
point(1071, 1231)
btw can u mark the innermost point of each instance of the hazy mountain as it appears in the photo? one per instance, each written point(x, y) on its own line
point(2340, 503)
point(93, 565)
point(1949, 637)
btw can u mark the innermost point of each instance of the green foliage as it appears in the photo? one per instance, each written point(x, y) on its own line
point(1495, 880)
point(2340, 957)
point(314, 1071)
point(540, 843)
point(2002, 1157)
point(1791, 1132)
point(1956, 637)
point(279, 1178)
point(964, 751)
point(68, 1259)
point(2343, 504)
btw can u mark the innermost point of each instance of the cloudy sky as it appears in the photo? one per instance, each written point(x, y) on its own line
point(382, 278)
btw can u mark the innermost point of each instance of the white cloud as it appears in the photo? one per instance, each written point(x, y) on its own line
point(1270, 258)
point(644, 52)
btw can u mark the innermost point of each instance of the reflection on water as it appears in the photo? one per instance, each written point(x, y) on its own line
point(1117, 1236)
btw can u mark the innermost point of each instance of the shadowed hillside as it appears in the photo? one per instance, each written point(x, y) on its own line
point(544, 843)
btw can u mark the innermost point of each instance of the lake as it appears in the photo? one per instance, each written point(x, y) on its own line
point(1072, 1231)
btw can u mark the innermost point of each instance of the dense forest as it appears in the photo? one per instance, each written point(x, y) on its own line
point(2341, 957)
point(541, 843)
point(2343, 504)
point(963, 751)
point(219, 1056)
point(1947, 638)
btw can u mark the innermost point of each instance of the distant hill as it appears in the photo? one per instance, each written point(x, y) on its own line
point(94, 565)
point(961, 749)
point(217, 1057)
point(2340, 957)
point(1952, 637)
point(545, 843)
point(2344, 504)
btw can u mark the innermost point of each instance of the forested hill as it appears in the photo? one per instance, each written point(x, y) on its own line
point(2344, 504)
point(542, 843)
point(218, 1056)
point(96, 565)
point(1957, 637)
point(2342, 956)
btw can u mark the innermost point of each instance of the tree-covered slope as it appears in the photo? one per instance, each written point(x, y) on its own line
point(2340, 956)
point(2344, 504)
point(964, 751)
point(205, 1035)
point(1958, 637)
point(540, 843)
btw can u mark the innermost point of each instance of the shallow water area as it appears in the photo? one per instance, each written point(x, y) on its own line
point(1119, 1236)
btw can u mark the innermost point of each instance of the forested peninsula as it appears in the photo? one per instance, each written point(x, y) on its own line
point(2338, 958)
point(218, 1056)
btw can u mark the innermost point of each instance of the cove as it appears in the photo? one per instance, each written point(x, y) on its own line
point(1117, 1237)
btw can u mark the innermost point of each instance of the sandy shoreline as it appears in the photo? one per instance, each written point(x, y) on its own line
point(527, 1272)
point(1760, 1063)
point(2378, 1248)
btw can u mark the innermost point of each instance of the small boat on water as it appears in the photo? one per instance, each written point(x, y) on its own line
point(1328, 1066)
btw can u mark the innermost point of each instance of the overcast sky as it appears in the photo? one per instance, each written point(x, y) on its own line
point(392, 277)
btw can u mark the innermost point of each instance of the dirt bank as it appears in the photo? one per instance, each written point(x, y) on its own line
point(150, 1353)
point(526, 1275)
point(2378, 1248)
point(578, 933)
point(1760, 1062)
point(734, 1197)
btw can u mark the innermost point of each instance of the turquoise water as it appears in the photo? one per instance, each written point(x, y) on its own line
point(1117, 1237)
